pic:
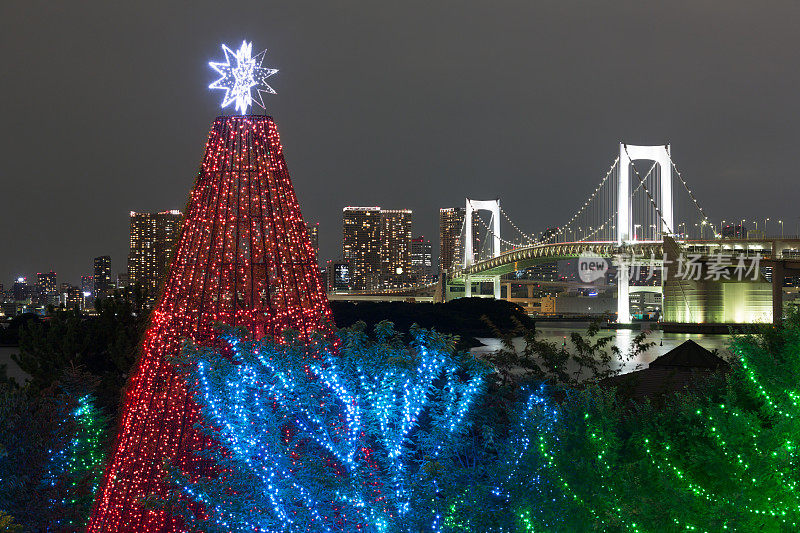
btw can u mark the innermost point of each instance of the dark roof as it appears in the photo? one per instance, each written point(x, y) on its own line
point(674, 371)
point(689, 355)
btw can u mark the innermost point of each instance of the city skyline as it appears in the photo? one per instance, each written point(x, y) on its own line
point(393, 123)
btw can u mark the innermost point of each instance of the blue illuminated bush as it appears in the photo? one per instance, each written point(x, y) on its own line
point(359, 436)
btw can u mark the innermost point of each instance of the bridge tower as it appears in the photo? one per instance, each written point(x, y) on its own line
point(493, 206)
point(627, 152)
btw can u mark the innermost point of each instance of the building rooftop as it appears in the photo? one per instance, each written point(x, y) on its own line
point(679, 369)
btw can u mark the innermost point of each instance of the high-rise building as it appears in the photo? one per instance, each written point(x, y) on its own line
point(87, 291)
point(451, 236)
point(87, 284)
point(313, 236)
point(103, 284)
point(74, 298)
point(153, 239)
point(377, 244)
point(47, 287)
point(421, 258)
point(734, 231)
point(395, 247)
point(361, 245)
point(123, 280)
point(338, 275)
point(21, 290)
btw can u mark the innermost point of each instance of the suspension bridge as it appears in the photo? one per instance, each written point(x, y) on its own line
point(639, 215)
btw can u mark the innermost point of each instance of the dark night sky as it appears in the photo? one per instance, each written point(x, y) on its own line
point(404, 105)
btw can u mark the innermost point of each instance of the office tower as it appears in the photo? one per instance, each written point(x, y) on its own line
point(87, 285)
point(451, 237)
point(421, 258)
point(361, 245)
point(21, 290)
point(734, 231)
point(551, 235)
point(74, 298)
point(123, 280)
point(313, 236)
point(395, 240)
point(153, 239)
point(337, 274)
point(231, 265)
point(103, 284)
point(377, 244)
point(47, 287)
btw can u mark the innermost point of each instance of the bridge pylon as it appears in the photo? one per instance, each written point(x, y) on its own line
point(493, 206)
point(627, 153)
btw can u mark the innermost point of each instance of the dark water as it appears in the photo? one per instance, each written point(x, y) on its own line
point(559, 331)
point(552, 331)
point(12, 369)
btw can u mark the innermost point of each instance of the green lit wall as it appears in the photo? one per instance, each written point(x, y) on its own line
point(717, 302)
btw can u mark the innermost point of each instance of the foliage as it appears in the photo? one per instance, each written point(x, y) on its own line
point(356, 436)
point(74, 470)
point(463, 317)
point(589, 358)
point(104, 345)
point(9, 336)
point(7, 524)
point(720, 457)
point(51, 442)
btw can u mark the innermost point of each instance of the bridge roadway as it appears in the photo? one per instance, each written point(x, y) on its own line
point(522, 258)
point(783, 254)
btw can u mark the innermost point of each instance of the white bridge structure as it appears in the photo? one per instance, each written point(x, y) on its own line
point(628, 217)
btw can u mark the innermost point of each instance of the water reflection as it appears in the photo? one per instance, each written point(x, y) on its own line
point(558, 332)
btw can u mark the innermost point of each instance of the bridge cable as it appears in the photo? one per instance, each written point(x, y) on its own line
point(489, 231)
point(614, 213)
point(584, 206)
point(646, 190)
point(694, 199)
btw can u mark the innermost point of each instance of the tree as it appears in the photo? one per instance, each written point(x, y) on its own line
point(51, 443)
point(720, 456)
point(104, 345)
point(590, 357)
point(359, 435)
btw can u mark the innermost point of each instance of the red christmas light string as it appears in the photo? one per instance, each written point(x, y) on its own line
point(243, 258)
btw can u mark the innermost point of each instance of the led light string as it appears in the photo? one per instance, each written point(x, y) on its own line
point(334, 408)
point(234, 263)
point(586, 204)
point(694, 199)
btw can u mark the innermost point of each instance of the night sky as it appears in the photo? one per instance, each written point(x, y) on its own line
point(105, 109)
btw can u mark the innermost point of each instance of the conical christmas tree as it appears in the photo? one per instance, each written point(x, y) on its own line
point(244, 258)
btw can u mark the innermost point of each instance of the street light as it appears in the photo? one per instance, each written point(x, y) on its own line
point(781, 223)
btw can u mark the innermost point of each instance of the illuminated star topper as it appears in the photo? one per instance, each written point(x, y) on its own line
point(241, 76)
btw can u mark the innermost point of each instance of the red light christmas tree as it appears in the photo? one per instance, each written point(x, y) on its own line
point(243, 258)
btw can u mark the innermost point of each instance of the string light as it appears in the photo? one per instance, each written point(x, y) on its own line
point(333, 441)
point(78, 466)
point(244, 259)
point(241, 78)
